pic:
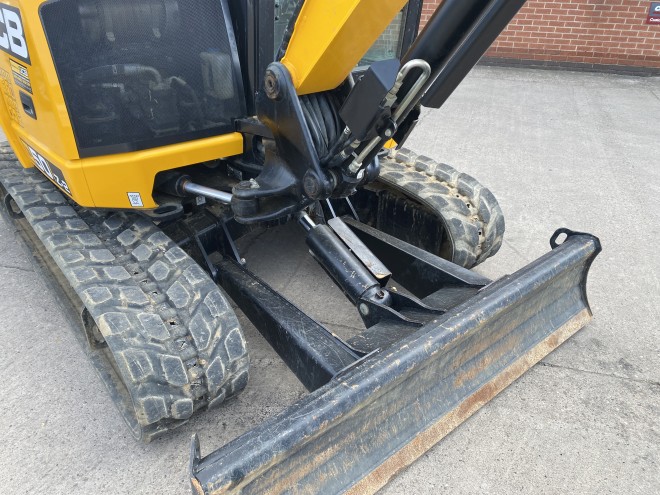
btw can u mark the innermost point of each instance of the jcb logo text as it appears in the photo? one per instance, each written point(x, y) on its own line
point(12, 35)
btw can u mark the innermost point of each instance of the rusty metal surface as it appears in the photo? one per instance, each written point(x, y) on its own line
point(364, 254)
point(376, 418)
point(380, 476)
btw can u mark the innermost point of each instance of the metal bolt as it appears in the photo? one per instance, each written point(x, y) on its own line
point(364, 309)
point(312, 185)
point(380, 294)
point(272, 85)
point(354, 167)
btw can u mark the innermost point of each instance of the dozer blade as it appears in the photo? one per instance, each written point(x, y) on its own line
point(380, 414)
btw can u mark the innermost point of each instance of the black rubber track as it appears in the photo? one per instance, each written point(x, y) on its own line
point(175, 339)
point(470, 213)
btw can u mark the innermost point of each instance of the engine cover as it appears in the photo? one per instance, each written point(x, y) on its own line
point(104, 94)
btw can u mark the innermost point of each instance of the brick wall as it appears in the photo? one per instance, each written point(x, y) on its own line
point(603, 32)
point(387, 44)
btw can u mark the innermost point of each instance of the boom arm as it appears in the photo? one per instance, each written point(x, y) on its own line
point(330, 38)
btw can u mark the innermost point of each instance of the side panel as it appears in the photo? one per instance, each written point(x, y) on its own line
point(33, 76)
point(106, 181)
point(41, 133)
point(330, 38)
point(112, 177)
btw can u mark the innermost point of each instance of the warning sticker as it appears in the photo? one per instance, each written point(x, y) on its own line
point(135, 199)
point(21, 76)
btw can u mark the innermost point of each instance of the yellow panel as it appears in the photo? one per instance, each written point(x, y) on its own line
point(53, 127)
point(330, 38)
point(106, 181)
point(111, 178)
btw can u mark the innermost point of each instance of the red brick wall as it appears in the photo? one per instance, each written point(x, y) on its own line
point(609, 32)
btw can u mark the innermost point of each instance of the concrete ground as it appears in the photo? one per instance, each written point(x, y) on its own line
point(557, 149)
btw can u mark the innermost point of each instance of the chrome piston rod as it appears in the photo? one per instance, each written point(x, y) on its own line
point(207, 192)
